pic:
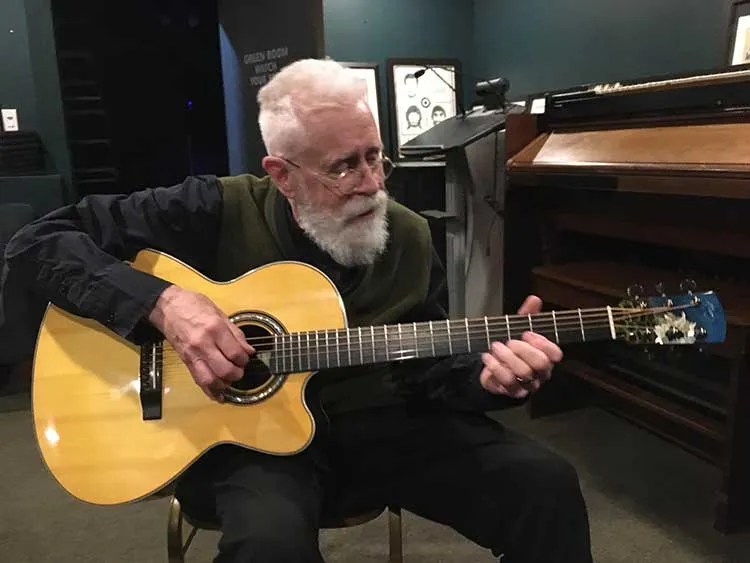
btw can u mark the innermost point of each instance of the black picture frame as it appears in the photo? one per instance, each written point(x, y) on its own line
point(370, 72)
point(738, 36)
point(399, 91)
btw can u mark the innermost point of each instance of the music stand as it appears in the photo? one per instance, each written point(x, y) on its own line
point(450, 139)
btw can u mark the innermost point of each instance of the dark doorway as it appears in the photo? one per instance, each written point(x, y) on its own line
point(142, 90)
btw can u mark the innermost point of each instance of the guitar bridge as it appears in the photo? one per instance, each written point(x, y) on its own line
point(150, 379)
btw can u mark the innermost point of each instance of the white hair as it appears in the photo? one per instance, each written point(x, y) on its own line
point(296, 91)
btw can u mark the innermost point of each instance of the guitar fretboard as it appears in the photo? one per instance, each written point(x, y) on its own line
point(322, 349)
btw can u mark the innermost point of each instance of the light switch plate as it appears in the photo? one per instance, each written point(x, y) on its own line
point(10, 119)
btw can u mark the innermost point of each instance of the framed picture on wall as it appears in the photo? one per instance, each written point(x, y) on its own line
point(739, 33)
point(370, 73)
point(421, 94)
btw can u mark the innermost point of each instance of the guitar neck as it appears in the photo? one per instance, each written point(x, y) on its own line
point(323, 349)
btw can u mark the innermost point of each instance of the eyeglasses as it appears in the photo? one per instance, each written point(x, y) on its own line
point(350, 179)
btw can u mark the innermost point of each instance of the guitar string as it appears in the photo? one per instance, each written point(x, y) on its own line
point(542, 320)
point(323, 349)
point(476, 331)
point(170, 357)
point(297, 341)
point(292, 363)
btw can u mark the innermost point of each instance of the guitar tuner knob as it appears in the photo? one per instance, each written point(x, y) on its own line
point(688, 285)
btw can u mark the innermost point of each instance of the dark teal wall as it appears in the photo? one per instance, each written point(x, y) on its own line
point(16, 77)
point(537, 44)
point(49, 120)
point(375, 30)
point(547, 44)
point(28, 76)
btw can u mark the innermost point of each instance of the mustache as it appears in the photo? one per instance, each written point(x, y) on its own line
point(362, 204)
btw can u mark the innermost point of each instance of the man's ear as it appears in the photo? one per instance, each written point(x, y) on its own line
point(279, 172)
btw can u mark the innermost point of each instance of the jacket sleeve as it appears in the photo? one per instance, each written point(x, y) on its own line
point(74, 257)
point(453, 381)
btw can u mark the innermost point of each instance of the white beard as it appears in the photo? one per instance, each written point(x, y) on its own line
point(350, 243)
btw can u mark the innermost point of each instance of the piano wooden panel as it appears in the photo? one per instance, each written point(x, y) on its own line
point(693, 149)
point(595, 205)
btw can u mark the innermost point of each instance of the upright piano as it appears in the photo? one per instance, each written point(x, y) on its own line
point(643, 187)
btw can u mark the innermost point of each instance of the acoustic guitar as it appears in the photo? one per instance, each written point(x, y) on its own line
point(117, 422)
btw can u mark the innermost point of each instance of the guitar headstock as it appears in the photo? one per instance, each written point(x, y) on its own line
point(687, 318)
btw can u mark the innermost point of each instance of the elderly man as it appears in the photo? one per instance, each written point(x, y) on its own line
point(413, 434)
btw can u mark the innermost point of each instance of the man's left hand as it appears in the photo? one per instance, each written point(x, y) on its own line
point(519, 367)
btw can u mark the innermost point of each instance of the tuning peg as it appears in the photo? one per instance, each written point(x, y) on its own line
point(688, 286)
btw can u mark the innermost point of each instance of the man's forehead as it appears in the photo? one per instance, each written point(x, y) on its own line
point(337, 133)
point(345, 113)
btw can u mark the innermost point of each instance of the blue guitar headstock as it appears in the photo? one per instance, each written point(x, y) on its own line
point(693, 318)
point(690, 317)
point(687, 318)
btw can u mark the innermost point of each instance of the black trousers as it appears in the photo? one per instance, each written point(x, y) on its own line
point(464, 470)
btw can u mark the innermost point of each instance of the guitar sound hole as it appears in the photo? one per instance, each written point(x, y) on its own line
point(257, 374)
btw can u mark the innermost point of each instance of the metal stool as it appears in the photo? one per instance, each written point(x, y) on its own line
point(177, 546)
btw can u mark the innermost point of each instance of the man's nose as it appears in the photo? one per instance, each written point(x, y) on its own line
point(371, 183)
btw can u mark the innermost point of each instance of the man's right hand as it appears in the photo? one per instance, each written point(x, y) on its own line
point(212, 347)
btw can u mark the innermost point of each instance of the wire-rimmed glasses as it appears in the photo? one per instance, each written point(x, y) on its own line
point(348, 180)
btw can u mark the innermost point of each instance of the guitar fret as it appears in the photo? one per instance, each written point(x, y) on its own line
point(416, 339)
point(283, 349)
point(554, 322)
point(487, 332)
point(432, 339)
point(290, 350)
point(338, 351)
point(531, 325)
point(580, 318)
point(317, 349)
point(468, 342)
point(307, 339)
point(385, 337)
point(400, 341)
point(348, 347)
point(328, 357)
point(276, 353)
point(361, 352)
point(372, 335)
point(611, 323)
point(507, 324)
point(291, 353)
point(450, 341)
point(298, 352)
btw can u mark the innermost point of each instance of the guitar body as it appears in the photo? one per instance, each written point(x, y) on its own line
point(87, 410)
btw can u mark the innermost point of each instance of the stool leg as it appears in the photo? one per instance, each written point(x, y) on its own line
point(175, 552)
point(395, 537)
